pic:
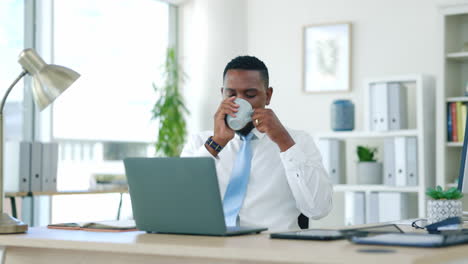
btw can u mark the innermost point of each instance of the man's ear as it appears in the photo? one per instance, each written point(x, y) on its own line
point(269, 93)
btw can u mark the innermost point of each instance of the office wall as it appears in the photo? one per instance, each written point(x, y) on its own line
point(389, 38)
point(211, 32)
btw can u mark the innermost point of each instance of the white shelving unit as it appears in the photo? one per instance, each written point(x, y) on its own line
point(420, 100)
point(453, 28)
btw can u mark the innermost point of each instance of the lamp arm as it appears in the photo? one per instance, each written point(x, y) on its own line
point(2, 193)
point(22, 74)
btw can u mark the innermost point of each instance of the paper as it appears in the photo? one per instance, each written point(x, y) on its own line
point(101, 226)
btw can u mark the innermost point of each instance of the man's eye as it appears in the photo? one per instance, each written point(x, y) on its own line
point(251, 95)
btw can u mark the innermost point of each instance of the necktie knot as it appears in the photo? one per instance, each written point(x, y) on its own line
point(247, 137)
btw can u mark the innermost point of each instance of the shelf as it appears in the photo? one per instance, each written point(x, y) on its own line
point(454, 144)
point(457, 99)
point(373, 188)
point(458, 56)
point(368, 134)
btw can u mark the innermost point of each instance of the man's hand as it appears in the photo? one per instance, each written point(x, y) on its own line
point(266, 121)
point(222, 133)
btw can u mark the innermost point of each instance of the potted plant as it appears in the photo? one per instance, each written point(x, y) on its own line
point(369, 171)
point(444, 204)
point(169, 109)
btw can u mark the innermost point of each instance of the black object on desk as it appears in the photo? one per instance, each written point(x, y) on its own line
point(332, 234)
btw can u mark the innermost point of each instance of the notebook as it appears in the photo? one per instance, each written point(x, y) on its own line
point(100, 226)
point(414, 239)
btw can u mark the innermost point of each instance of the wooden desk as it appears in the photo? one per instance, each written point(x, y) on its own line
point(42, 245)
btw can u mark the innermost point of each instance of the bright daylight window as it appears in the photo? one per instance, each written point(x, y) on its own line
point(118, 47)
point(11, 44)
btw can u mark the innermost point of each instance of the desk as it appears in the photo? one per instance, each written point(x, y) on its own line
point(27, 218)
point(41, 245)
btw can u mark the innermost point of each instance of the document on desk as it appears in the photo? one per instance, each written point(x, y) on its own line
point(413, 239)
point(100, 226)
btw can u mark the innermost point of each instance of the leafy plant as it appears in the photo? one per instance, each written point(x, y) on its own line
point(366, 153)
point(170, 109)
point(438, 193)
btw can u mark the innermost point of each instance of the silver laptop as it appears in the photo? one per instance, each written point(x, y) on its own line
point(178, 196)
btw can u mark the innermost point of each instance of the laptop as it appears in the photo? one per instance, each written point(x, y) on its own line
point(178, 196)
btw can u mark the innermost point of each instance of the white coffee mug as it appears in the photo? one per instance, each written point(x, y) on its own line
point(243, 115)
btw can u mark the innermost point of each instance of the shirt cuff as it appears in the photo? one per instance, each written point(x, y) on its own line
point(202, 152)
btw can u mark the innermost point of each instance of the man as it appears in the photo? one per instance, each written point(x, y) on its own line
point(268, 175)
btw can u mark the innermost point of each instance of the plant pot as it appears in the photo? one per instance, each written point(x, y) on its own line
point(369, 172)
point(438, 210)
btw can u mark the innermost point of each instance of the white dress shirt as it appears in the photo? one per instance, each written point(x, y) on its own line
point(281, 185)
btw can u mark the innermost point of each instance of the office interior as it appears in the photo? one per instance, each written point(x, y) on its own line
point(119, 47)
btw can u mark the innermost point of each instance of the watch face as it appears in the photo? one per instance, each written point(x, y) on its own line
point(243, 116)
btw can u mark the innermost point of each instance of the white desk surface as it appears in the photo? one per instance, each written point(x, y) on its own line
point(250, 248)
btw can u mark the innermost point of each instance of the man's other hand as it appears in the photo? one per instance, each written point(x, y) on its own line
point(266, 121)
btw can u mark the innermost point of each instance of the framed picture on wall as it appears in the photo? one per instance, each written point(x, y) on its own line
point(327, 58)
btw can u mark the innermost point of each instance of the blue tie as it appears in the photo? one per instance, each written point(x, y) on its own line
point(237, 187)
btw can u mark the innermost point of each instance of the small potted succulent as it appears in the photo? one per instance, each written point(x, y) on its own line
point(369, 171)
point(444, 204)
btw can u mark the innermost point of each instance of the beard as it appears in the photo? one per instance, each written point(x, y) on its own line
point(246, 130)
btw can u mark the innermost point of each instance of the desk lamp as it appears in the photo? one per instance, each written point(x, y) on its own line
point(49, 82)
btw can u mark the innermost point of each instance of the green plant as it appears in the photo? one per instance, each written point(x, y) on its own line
point(366, 153)
point(438, 193)
point(170, 109)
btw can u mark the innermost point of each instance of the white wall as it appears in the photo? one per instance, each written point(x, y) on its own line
point(212, 32)
point(389, 38)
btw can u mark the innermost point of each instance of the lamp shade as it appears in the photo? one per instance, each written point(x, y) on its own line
point(49, 80)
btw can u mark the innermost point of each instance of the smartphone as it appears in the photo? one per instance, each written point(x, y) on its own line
point(311, 234)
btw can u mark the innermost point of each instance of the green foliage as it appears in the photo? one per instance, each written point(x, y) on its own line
point(366, 153)
point(170, 109)
point(438, 193)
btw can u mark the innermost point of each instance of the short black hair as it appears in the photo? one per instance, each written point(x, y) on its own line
point(250, 63)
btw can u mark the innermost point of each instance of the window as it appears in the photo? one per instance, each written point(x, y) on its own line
point(11, 44)
point(118, 47)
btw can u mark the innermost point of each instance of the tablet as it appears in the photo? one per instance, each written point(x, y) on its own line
point(333, 234)
point(310, 234)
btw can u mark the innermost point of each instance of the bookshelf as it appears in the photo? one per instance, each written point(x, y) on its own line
point(419, 91)
point(453, 28)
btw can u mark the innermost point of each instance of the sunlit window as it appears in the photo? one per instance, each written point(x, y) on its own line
point(118, 47)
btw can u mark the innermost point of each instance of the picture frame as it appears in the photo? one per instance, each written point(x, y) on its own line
point(326, 56)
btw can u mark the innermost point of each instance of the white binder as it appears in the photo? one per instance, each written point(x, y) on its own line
point(412, 161)
point(393, 206)
point(355, 208)
point(49, 166)
point(379, 107)
point(17, 166)
point(406, 164)
point(397, 206)
point(372, 208)
point(396, 106)
point(36, 166)
point(332, 151)
point(389, 162)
